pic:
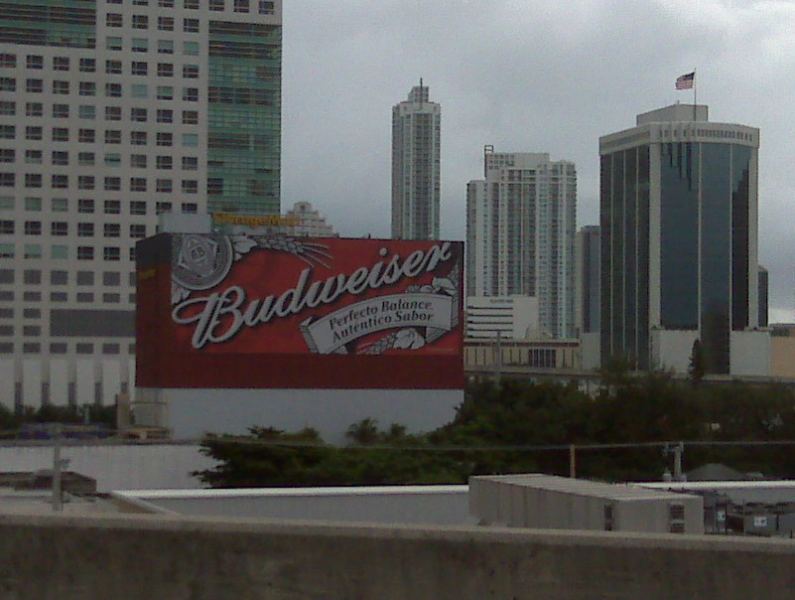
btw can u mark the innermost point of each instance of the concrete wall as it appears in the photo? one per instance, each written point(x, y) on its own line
point(750, 353)
point(122, 467)
point(143, 557)
point(671, 349)
point(782, 356)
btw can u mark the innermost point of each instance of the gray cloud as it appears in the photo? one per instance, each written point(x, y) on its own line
point(527, 75)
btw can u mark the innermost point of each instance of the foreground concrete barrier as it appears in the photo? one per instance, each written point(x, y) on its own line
point(144, 557)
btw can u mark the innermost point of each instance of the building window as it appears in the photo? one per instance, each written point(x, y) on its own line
point(138, 161)
point(59, 228)
point(59, 205)
point(33, 133)
point(139, 68)
point(164, 185)
point(85, 230)
point(34, 109)
point(112, 136)
point(190, 25)
point(190, 207)
point(60, 87)
point(32, 227)
point(165, 115)
point(59, 157)
point(137, 207)
point(85, 182)
point(34, 86)
point(113, 90)
point(164, 162)
point(140, 45)
point(190, 48)
point(60, 134)
point(113, 20)
point(8, 84)
point(190, 71)
point(113, 113)
point(140, 22)
point(111, 253)
point(7, 227)
point(33, 157)
point(85, 253)
point(112, 230)
point(85, 206)
point(85, 158)
point(137, 184)
point(138, 138)
point(88, 65)
point(138, 114)
point(165, 70)
point(137, 231)
point(266, 7)
point(113, 67)
point(7, 155)
point(112, 184)
point(34, 61)
point(191, 4)
point(190, 140)
point(190, 186)
point(87, 111)
point(162, 207)
point(7, 132)
point(112, 159)
point(241, 6)
point(8, 60)
point(112, 207)
point(86, 136)
point(34, 180)
point(190, 163)
point(84, 348)
point(165, 23)
point(217, 5)
point(60, 111)
point(165, 47)
point(165, 92)
point(33, 204)
point(165, 139)
point(190, 94)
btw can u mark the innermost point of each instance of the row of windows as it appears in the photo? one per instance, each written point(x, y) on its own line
point(58, 252)
point(116, 44)
point(89, 112)
point(61, 63)
point(58, 277)
point(61, 348)
point(36, 296)
point(142, 22)
point(87, 206)
point(88, 182)
point(112, 90)
point(112, 159)
point(36, 61)
point(264, 7)
point(61, 228)
point(88, 136)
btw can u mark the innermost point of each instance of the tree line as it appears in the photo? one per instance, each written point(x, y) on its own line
point(498, 429)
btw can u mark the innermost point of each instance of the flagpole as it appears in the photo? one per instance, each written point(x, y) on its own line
point(695, 97)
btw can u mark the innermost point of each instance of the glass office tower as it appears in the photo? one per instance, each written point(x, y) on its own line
point(678, 206)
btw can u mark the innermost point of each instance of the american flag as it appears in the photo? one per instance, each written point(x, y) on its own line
point(685, 82)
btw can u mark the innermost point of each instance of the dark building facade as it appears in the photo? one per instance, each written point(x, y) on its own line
point(678, 208)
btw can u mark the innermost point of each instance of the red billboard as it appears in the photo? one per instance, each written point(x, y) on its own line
point(270, 311)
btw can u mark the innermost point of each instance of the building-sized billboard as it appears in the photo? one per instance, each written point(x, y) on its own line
point(270, 311)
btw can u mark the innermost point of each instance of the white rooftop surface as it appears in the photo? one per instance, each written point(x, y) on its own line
point(582, 487)
point(433, 505)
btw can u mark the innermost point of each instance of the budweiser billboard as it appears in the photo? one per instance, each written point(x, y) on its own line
point(269, 311)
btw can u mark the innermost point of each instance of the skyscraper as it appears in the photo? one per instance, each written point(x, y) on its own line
point(111, 113)
point(416, 126)
point(521, 223)
point(678, 207)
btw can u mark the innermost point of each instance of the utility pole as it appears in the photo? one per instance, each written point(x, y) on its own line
point(57, 505)
point(498, 360)
point(572, 461)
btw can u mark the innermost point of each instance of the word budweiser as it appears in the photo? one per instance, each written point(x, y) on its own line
point(221, 315)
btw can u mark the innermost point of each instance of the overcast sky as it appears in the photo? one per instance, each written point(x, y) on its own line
point(528, 76)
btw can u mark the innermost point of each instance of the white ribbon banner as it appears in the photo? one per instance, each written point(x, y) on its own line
point(332, 331)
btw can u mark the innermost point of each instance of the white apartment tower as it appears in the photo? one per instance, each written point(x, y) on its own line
point(112, 112)
point(521, 223)
point(416, 126)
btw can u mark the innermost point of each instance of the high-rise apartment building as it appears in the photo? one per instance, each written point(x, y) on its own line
point(111, 112)
point(679, 243)
point(521, 221)
point(416, 127)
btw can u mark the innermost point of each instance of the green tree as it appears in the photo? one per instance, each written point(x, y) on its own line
point(697, 365)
